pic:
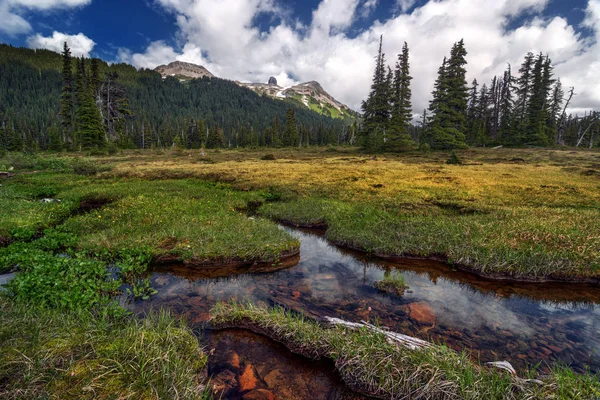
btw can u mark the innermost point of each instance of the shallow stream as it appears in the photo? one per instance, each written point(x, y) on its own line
point(524, 323)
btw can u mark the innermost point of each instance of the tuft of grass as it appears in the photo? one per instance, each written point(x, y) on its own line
point(392, 283)
point(46, 353)
point(369, 363)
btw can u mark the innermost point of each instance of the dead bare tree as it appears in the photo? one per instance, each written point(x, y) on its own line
point(560, 139)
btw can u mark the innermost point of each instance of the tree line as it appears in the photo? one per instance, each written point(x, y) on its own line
point(51, 101)
point(526, 109)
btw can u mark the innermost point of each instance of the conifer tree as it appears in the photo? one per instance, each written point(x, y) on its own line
point(290, 137)
point(506, 108)
point(555, 110)
point(523, 92)
point(66, 99)
point(215, 138)
point(398, 136)
point(90, 132)
point(376, 109)
point(447, 125)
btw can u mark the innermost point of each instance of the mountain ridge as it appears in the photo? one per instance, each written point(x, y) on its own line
point(307, 94)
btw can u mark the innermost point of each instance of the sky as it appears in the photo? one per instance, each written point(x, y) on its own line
point(331, 41)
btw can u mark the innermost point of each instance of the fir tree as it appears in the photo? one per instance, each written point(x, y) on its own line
point(376, 109)
point(66, 99)
point(398, 135)
point(506, 108)
point(90, 132)
point(523, 92)
point(215, 138)
point(447, 125)
point(290, 137)
point(555, 110)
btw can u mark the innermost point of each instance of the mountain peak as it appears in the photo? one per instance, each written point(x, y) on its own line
point(183, 69)
point(273, 81)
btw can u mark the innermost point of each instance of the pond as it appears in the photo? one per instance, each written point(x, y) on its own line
point(523, 323)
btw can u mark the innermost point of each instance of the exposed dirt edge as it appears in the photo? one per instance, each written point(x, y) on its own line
point(286, 258)
point(5, 241)
point(321, 228)
point(310, 353)
point(493, 276)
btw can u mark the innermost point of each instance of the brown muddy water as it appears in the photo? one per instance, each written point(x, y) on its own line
point(524, 323)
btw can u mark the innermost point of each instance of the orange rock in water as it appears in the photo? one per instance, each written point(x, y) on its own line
point(235, 360)
point(422, 313)
point(259, 394)
point(248, 379)
point(296, 294)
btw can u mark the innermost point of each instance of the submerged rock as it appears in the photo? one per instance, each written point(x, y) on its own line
point(422, 313)
point(259, 394)
point(248, 379)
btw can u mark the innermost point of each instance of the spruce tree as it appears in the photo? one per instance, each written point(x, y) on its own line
point(290, 137)
point(555, 110)
point(523, 92)
point(66, 99)
point(506, 109)
point(447, 125)
point(398, 136)
point(88, 122)
point(376, 109)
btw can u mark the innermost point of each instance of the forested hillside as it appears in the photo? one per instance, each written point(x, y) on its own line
point(140, 109)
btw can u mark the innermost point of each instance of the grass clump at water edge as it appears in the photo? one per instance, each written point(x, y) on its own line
point(369, 363)
point(47, 353)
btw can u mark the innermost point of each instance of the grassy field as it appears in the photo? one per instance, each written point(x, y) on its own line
point(529, 214)
point(369, 363)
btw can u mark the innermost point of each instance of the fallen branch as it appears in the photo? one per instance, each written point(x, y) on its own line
point(407, 341)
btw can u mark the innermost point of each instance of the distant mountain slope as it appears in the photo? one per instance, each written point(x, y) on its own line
point(163, 108)
point(180, 69)
point(309, 94)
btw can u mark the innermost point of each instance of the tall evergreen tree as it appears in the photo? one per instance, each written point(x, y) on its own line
point(90, 132)
point(506, 108)
point(290, 137)
point(398, 136)
point(66, 99)
point(376, 109)
point(447, 126)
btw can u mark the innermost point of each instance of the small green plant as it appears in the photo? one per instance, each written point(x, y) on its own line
point(268, 157)
point(142, 289)
point(85, 167)
point(424, 147)
point(392, 283)
point(454, 159)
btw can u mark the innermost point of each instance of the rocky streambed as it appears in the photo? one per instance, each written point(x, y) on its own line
point(524, 323)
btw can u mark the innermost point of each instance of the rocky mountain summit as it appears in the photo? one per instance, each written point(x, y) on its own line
point(183, 70)
point(308, 94)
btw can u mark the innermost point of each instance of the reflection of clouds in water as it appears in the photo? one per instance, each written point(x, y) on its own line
point(334, 282)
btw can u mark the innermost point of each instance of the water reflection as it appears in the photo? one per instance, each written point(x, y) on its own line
point(525, 323)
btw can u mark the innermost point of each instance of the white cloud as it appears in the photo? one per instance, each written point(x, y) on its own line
point(405, 4)
point(12, 23)
point(80, 44)
point(221, 36)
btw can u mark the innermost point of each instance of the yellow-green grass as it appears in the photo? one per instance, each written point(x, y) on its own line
point(369, 363)
point(51, 354)
point(523, 213)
